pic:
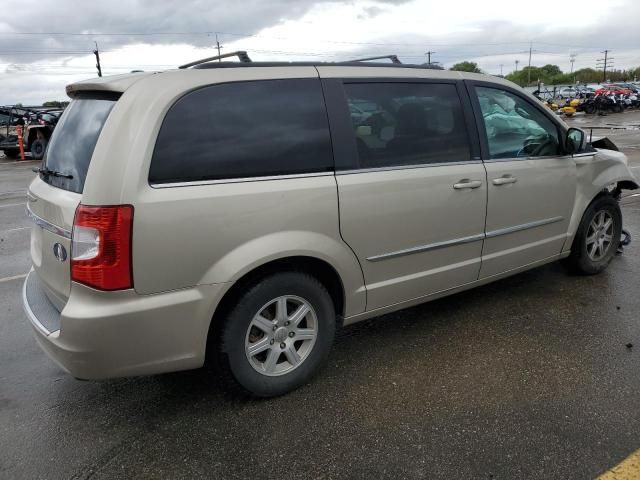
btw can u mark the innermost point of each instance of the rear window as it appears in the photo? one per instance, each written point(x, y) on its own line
point(71, 146)
point(244, 129)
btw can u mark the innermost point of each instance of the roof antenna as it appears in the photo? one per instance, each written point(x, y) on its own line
point(97, 54)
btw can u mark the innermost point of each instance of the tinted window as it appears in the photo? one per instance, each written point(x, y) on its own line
point(514, 127)
point(407, 123)
point(245, 129)
point(74, 139)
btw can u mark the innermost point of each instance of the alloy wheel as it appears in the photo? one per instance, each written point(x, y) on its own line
point(600, 235)
point(281, 335)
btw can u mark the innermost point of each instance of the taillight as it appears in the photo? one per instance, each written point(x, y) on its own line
point(101, 247)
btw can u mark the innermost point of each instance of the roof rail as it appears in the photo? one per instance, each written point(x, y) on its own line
point(393, 58)
point(241, 54)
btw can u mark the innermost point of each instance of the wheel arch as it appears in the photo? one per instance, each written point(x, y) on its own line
point(598, 194)
point(320, 269)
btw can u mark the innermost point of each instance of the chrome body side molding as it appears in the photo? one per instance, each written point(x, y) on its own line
point(463, 240)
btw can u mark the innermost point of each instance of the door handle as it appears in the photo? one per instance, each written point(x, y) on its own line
point(466, 183)
point(504, 180)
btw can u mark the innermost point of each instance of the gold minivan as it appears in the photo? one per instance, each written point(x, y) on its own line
point(240, 212)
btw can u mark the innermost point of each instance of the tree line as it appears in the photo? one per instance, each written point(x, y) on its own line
point(553, 75)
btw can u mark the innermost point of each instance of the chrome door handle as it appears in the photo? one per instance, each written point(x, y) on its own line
point(504, 180)
point(466, 183)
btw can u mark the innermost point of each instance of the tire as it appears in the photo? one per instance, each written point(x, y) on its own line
point(37, 149)
point(257, 374)
point(583, 259)
point(590, 109)
point(12, 152)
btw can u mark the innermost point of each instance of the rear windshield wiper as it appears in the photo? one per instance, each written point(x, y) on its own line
point(51, 173)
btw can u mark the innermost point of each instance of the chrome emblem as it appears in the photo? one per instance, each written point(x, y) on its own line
point(60, 252)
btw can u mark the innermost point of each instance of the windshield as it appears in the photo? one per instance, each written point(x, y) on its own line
point(74, 139)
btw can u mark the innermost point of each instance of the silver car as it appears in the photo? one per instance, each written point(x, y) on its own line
point(238, 214)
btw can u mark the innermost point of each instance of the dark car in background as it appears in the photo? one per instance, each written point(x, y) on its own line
point(37, 123)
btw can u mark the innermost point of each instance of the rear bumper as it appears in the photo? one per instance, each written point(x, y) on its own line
point(115, 334)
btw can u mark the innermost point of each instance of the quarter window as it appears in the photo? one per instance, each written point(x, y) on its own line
point(244, 129)
point(514, 127)
point(407, 123)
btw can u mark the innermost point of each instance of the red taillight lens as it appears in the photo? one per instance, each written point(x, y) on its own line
point(101, 247)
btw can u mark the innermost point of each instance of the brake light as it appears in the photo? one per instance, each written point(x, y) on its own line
point(101, 247)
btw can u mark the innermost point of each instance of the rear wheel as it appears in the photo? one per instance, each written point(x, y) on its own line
point(278, 334)
point(38, 147)
point(597, 237)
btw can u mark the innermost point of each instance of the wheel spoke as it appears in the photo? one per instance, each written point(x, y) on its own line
point(305, 334)
point(299, 314)
point(591, 238)
point(292, 355)
point(598, 249)
point(281, 310)
point(592, 249)
point(607, 224)
point(600, 219)
point(272, 360)
point(262, 323)
point(259, 346)
point(607, 238)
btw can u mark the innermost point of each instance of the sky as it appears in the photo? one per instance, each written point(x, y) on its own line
point(47, 44)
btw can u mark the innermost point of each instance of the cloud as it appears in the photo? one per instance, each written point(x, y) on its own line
point(192, 21)
point(489, 33)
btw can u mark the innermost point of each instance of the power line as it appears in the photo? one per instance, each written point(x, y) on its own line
point(257, 35)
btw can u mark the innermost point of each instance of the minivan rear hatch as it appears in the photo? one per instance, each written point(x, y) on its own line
point(52, 198)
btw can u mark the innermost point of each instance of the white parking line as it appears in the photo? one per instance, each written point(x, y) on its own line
point(15, 277)
point(15, 229)
point(12, 205)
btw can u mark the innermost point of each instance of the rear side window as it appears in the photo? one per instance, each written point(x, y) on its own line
point(244, 129)
point(72, 143)
point(407, 123)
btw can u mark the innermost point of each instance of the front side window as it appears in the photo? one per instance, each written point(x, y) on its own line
point(407, 123)
point(514, 127)
point(244, 129)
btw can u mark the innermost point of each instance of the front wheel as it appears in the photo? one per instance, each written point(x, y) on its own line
point(597, 238)
point(278, 334)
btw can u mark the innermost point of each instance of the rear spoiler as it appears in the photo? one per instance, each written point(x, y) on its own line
point(114, 83)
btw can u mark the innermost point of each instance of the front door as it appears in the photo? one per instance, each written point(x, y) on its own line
point(531, 183)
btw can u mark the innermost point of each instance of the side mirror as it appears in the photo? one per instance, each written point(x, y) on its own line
point(574, 141)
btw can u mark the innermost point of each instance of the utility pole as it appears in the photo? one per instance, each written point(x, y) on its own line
point(97, 54)
point(572, 60)
point(529, 69)
point(501, 69)
point(429, 53)
point(517, 62)
point(604, 62)
point(218, 47)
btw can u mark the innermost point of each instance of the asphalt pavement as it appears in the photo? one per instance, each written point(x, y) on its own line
point(530, 377)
